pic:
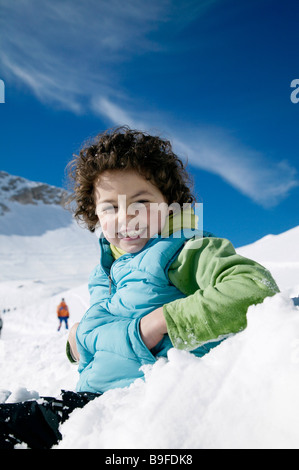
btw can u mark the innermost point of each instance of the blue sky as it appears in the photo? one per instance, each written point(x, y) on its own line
point(213, 76)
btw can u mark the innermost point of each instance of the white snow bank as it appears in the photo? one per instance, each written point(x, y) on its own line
point(243, 394)
point(279, 254)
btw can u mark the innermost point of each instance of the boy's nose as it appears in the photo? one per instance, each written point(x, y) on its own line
point(124, 218)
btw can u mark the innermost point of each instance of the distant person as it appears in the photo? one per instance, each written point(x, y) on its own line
point(1, 325)
point(63, 314)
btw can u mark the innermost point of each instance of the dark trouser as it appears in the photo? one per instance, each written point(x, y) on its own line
point(61, 319)
point(37, 422)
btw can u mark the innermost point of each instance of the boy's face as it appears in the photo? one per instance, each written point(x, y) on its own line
point(130, 209)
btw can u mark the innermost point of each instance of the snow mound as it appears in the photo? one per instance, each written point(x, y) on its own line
point(243, 394)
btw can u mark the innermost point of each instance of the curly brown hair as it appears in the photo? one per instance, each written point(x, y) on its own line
point(126, 149)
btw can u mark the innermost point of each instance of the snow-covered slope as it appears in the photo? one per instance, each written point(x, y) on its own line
point(280, 254)
point(39, 240)
point(28, 208)
point(243, 394)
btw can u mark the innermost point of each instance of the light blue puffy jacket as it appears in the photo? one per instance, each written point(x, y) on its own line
point(122, 292)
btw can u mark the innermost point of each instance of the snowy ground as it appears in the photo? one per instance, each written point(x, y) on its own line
point(243, 394)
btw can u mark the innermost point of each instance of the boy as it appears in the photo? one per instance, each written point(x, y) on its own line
point(159, 284)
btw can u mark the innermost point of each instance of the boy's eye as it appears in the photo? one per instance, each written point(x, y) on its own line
point(112, 209)
point(106, 209)
point(140, 202)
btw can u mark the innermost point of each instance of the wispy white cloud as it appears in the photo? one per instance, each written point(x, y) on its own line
point(69, 54)
point(65, 51)
point(265, 182)
point(115, 114)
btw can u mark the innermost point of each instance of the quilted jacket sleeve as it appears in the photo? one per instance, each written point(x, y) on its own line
point(111, 351)
point(101, 331)
point(220, 285)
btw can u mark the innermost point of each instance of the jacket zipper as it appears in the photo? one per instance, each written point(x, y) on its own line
point(110, 281)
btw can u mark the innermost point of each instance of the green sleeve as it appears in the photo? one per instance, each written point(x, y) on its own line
point(219, 286)
point(69, 353)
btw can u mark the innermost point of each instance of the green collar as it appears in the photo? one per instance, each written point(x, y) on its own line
point(174, 222)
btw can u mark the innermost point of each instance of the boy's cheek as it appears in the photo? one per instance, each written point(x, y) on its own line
point(108, 227)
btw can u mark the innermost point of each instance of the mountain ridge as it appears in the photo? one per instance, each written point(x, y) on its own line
point(24, 191)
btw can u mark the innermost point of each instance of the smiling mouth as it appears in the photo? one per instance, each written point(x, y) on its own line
point(131, 234)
